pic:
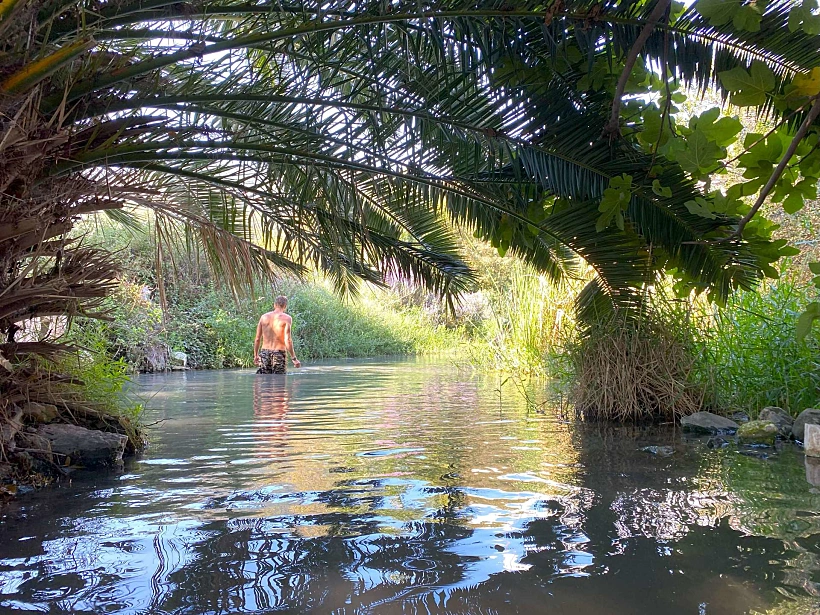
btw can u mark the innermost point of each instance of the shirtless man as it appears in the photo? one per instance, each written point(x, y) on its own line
point(273, 335)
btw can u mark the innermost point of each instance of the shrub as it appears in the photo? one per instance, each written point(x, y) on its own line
point(749, 353)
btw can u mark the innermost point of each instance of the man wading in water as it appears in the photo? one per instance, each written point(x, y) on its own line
point(273, 334)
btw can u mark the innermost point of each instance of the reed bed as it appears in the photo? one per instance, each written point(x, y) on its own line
point(632, 372)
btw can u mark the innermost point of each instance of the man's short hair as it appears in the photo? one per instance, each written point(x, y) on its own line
point(280, 301)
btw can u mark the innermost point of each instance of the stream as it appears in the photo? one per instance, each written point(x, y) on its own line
point(410, 486)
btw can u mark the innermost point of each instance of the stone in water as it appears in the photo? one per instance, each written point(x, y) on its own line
point(708, 423)
point(809, 415)
point(811, 441)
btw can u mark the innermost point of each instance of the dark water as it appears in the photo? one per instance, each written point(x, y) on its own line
point(409, 488)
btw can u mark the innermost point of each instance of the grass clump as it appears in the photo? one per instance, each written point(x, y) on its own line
point(628, 371)
point(749, 354)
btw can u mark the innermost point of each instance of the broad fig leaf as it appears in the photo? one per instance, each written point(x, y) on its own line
point(747, 17)
point(718, 12)
point(615, 200)
point(749, 88)
point(665, 191)
point(806, 320)
point(700, 207)
point(722, 130)
point(807, 84)
point(803, 18)
point(700, 155)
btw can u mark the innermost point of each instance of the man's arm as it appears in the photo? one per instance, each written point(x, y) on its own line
point(289, 345)
point(257, 342)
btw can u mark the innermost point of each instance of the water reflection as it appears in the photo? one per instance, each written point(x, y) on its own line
point(271, 404)
point(391, 488)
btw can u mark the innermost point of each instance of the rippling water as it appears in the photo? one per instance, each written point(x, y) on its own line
point(409, 487)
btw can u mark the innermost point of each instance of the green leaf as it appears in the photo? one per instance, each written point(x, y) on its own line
point(718, 12)
point(722, 130)
point(803, 18)
point(814, 268)
point(615, 200)
point(806, 320)
point(700, 207)
point(700, 154)
point(796, 195)
point(807, 84)
point(747, 17)
point(749, 88)
point(665, 191)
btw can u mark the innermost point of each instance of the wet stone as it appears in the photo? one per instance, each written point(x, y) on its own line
point(756, 454)
point(660, 451)
point(717, 442)
point(758, 432)
point(779, 417)
point(740, 417)
point(809, 415)
point(708, 423)
point(87, 447)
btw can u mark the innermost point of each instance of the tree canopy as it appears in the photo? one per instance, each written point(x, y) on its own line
point(341, 135)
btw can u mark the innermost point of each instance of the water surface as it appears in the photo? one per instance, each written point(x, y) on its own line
point(409, 487)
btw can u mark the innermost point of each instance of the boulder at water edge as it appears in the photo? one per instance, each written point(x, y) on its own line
point(87, 447)
point(812, 442)
point(779, 417)
point(809, 415)
point(757, 432)
point(708, 423)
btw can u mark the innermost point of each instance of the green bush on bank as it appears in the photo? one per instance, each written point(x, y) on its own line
point(215, 332)
point(749, 355)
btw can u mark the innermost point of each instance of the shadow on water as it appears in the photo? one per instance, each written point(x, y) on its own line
point(366, 487)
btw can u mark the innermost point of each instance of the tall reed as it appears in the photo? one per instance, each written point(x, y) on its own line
point(749, 354)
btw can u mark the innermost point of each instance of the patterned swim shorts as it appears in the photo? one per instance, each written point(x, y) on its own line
point(272, 361)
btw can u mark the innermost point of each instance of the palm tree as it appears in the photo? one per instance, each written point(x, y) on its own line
point(343, 135)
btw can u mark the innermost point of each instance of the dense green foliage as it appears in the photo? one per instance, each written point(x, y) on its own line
point(750, 355)
point(216, 330)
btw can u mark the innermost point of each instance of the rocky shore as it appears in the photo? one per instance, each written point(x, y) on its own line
point(40, 443)
point(772, 424)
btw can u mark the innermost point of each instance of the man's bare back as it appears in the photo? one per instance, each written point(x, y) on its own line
point(273, 337)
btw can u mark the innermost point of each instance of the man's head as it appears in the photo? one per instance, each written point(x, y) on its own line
point(280, 302)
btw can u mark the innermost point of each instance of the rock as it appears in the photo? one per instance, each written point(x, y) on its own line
point(740, 417)
point(757, 432)
point(660, 451)
point(809, 415)
point(708, 423)
point(811, 444)
point(813, 471)
point(755, 454)
point(779, 417)
point(40, 413)
point(717, 442)
point(87, 447)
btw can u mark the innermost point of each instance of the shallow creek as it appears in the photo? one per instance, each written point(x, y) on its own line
point(409, 487)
